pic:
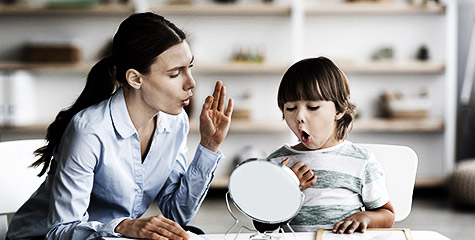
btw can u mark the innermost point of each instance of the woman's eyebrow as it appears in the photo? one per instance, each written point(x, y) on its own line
point(181, 67)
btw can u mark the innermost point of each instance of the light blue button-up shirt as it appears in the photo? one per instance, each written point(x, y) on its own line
point(98, 178)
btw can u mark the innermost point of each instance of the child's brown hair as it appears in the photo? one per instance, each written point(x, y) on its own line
point(318, 79)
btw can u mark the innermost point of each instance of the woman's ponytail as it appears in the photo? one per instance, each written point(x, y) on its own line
point(138, 41)
point(100, 85)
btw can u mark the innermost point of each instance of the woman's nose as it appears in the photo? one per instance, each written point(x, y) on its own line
point(190, 82)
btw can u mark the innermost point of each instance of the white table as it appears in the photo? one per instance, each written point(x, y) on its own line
point(417, 235)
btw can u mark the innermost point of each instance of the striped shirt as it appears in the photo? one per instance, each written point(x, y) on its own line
point(349, 180)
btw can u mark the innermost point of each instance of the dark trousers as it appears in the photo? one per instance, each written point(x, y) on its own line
point(194, 230)
point(35, 238)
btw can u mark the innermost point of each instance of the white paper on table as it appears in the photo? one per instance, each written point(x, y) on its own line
point(384, 234)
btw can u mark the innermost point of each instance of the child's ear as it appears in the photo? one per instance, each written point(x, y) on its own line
point(339, 115)
point(134, 78)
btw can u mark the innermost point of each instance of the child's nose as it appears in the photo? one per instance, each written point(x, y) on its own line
point(300, 117)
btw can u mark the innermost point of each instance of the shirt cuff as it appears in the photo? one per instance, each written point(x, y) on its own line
point(108, 228)
point(206, 160)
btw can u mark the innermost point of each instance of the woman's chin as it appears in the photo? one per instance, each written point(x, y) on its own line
point(173, 111)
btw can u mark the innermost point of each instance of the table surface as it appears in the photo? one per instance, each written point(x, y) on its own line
point(416, 234)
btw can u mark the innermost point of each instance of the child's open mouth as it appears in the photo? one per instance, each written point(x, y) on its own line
point(305, 136)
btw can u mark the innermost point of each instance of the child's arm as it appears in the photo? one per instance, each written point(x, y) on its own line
point(303, 172)
point(382, 217)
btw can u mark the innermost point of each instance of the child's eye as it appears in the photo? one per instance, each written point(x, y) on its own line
point(313, 108)
point(290, 109)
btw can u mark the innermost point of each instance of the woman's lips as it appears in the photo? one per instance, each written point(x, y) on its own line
point(186, 102)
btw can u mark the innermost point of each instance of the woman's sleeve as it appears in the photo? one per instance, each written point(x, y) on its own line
point(76, 157)
point(186, 187)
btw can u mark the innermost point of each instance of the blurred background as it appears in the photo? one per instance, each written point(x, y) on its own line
point(410, 66)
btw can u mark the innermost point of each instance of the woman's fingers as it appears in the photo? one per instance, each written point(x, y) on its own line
point(173, 227)
point(156, 227)
point(216, 94)
point(229, 110)
point(222, 99)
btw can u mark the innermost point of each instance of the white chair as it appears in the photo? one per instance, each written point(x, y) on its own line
point(400, 165)
point(17, 180)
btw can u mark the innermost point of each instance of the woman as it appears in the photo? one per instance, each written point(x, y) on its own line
point(122, 144)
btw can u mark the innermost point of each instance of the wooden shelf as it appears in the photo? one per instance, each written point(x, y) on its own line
point(240, 9)
point(390, 67)
point(384, 67)
point(38, 9)
point(46, 67)
point(38, 128)
point(219, 182)
point(398, 125)
point(223, 9)
point(373, 9)
point(430, 181)
point(241, 68)
point(360, 125)
point(249, 127)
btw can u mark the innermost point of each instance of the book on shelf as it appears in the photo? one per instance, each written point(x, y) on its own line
point(17, 99)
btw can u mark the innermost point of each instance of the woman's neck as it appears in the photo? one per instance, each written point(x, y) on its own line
point(140, 114)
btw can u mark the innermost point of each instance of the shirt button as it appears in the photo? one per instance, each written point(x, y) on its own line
point(139, 190)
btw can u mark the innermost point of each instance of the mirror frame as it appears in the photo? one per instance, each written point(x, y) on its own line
point(292, 177)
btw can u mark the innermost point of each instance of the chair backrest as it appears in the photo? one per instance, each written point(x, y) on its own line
point(17, 180)
point(400, 165)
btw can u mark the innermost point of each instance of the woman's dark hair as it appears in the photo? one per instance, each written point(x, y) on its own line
point(136, 45)
point(318, 79)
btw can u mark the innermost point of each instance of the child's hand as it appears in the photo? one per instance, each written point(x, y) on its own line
point(382, 217)
point(303, 172)
point(358, 221)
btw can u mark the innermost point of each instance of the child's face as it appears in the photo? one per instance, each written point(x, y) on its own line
point(313, 122)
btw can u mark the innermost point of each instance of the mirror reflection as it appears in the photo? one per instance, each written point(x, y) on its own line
point(265, 191)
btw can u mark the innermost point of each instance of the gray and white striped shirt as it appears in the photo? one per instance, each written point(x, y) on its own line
point(349, 180)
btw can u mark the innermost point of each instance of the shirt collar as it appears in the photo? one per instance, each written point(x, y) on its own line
point(120, 116)
point(164, 123)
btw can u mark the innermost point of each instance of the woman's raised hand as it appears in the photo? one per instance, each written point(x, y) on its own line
point(156, 227)
point(215, 118)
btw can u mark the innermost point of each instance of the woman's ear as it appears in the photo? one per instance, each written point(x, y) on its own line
point(134, 78)
point(339, 115)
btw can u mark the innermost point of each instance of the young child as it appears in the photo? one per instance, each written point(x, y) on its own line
point(343, 183)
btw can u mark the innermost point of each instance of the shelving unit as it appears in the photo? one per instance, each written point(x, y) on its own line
point(382, 8)
point(303, 26)
point(81, 67)
point(210, 9)
point(414, 67)
point(21, 10)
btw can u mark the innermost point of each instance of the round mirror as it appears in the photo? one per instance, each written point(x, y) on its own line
point(265, 191)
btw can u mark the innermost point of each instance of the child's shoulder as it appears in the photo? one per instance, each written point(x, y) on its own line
point(349, 149)
point(283, 151)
